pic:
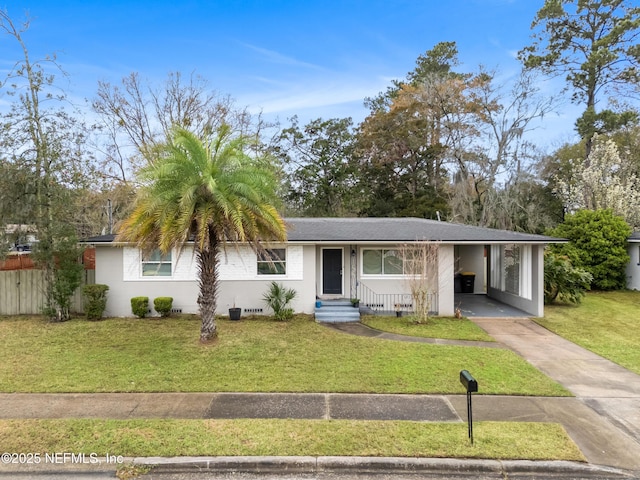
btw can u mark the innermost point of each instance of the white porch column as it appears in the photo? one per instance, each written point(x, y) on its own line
point(446, 301)
point(537, 280)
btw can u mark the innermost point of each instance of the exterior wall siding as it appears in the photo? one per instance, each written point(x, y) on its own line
point(633, 267)
point(470, 258)
point(534, 305)
point(446, 267)
point(119, 267)
point(399, 288)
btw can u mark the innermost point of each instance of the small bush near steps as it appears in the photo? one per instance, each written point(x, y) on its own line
point(278, 298)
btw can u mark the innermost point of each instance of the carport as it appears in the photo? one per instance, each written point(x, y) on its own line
point(480, 305)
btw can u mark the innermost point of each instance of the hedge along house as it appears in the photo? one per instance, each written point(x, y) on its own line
point(338, 258)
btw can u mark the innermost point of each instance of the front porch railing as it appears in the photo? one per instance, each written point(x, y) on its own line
point(387, 303)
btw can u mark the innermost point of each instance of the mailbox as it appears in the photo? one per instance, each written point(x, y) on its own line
point(472, 386)
point(468, 381)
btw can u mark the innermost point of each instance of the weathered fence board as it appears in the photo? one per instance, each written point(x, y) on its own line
point(22, 292)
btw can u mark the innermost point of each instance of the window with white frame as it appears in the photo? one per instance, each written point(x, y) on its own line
point(272, 262)
point(378, 261)
point(156, 264)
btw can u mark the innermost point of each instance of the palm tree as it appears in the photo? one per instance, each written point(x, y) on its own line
point(209, 192)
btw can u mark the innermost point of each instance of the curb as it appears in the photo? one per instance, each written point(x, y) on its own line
point(371, 465)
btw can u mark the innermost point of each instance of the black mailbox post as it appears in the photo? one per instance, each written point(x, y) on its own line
point(471, 385)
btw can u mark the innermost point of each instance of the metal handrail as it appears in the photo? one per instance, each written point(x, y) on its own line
point(390, 302)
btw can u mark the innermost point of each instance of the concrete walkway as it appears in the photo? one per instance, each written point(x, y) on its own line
point(357, 328)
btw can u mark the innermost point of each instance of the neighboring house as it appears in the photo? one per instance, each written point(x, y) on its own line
point(327, 258)
point(633, 267)
point(22, 237)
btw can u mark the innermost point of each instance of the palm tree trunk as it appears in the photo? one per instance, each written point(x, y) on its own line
point(208, 282)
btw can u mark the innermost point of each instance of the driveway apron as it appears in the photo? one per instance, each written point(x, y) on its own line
point(609, 389)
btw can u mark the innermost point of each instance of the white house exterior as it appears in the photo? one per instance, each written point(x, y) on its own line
point(633, 267)
point(327, 258)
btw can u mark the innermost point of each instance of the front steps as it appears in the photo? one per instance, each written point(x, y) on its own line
point(336, 311)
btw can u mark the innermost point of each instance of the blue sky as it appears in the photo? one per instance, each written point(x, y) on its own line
point(281, 57)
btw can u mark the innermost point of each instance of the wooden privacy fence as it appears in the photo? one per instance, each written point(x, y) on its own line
point(22, 292)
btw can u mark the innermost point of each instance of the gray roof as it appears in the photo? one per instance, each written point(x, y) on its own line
point(401, 230)
point(332, 230)
point(635, 237)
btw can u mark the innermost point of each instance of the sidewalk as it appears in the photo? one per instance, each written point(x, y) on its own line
point(602, 419)
point(601, 443)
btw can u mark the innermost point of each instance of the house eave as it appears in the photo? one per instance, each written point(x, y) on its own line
point(440, 242)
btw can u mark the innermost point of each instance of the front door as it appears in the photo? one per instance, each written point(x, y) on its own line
point(332, 271)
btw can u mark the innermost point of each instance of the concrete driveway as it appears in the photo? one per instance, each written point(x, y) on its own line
point(607, 388)
point(480, 305)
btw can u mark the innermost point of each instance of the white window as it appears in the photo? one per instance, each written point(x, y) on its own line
point(382, 262)
point(156, 264)
point(272, 262)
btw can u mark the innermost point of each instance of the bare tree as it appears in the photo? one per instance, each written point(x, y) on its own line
point(137, 117)
point(421, 268)
point(500, 150)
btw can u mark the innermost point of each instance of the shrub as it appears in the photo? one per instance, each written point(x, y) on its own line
point(562, 280)
point(95, 300)
point(163, 305)
point(597, 243)
point(278, 298)
point(140, 306)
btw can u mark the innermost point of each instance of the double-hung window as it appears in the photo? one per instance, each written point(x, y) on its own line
point(272, 262)
point(156, 264)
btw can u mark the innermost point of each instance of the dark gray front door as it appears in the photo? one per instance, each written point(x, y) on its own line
point(332, 271)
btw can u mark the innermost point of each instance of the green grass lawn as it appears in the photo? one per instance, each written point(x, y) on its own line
point(607, 323)
point(252, 355)
point(436, 327)
point(533, 441)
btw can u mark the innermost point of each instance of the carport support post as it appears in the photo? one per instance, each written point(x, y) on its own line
point(471, 385)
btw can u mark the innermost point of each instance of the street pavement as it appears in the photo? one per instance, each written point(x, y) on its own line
point(603, 420)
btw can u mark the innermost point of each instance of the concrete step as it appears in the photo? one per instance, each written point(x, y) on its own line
point(336, 308)
point(353, 312)
point(339, 310)
point(337, 319)
point(343, 302)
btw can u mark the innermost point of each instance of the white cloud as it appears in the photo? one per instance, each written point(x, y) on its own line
point(281, 59)
point(313, 94)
